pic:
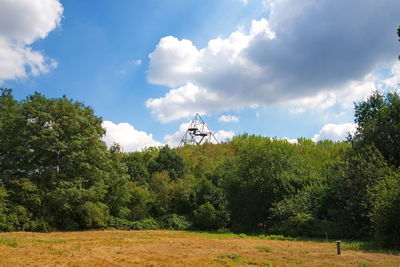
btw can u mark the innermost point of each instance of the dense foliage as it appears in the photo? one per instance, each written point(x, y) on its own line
point(56, 173)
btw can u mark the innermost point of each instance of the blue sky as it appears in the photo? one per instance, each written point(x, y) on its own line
point(283, 68)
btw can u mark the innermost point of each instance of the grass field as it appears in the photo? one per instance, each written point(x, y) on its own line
point(176, 248)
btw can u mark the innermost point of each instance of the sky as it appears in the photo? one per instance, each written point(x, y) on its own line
point(279, 68)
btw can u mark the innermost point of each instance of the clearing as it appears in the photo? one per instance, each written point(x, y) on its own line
point(175, 248)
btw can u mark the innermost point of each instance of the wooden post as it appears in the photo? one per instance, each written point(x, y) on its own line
point(338, 248)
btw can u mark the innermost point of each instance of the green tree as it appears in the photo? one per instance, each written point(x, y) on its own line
point(117, 196)
point(378, 121)
point(53, 159)
point(206, 217)
point(4, 223)
point(398, 34)
point(264, 172)
point(386, 211)
point(136, 163)
point(352, 191)
point(161, 188)
point(182, 194)
point(170, 161)
point(93, 215)
point(141, 202)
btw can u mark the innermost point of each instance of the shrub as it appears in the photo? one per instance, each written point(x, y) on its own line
point(387, 213)
point(175, 222)
point(205, 217)
point(93, 215)
point(145, 224)
point(298, 224)
point(121, 224)
point(20, 219)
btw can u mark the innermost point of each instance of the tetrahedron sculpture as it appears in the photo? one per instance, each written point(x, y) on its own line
point(198, 133)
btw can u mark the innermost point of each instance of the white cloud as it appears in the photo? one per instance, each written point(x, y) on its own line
point(173, 140)
point(182, 102)
point(137, 62)
point(228, 118)
point(244, 2)
point(129, 138)
point(224, 136)
point(173, 62)
point(176, 63)
point(22, 22)
point(292, 141)
point(335, 132)
point(394, 80)
point(308, 54)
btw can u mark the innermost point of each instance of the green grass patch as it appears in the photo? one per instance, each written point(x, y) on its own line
point(48, 241)
point(10, 242)
point(214, 234)
point(233, 257)
point(276, 237)
point(264, 248)
point(367, 246)
point(367, 264)
point(227, 234)
point(241, 235)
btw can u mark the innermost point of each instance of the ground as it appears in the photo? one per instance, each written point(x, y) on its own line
point(175, 248)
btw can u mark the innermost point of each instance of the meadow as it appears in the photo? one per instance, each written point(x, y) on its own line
point(179, 248)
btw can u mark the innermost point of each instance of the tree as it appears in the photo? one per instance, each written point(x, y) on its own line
point(386, 211)
point(117, 196)
point(398, 34)
point(170, 161)
point(206, 217)
point(140, 203)
point(161, 187)
point(352, 191)
point(137, 166)
point(264, 172)
point(53, 159)
point(378, 121)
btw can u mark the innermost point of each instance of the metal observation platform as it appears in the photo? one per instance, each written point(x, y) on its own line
point(198, 133)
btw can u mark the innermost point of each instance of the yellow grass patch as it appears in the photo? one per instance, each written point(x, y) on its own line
point(173, 248)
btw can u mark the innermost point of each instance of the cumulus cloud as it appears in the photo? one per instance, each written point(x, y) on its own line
point(129, 138)
point(173, 140)
point(394, 80)
point(335, 132)
point(182, 102)
point(292, 141)
point(22, 22)
point(228, 118)
point(224, 136)
point(308, 54)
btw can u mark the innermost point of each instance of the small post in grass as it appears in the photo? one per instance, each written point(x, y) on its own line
point(338, 248)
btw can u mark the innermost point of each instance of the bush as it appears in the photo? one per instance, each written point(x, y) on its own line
point(296, 214)
point(205, 217)
point(93, 215)
point(300, 224)
point(387, 213)
point(175, 222)
point(121, 224)
point(145, 224)
point(20, 219)
point(388, 226)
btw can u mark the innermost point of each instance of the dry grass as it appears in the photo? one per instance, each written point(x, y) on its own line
point(173, 248)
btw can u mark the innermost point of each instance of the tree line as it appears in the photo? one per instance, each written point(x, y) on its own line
point(57, 174)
